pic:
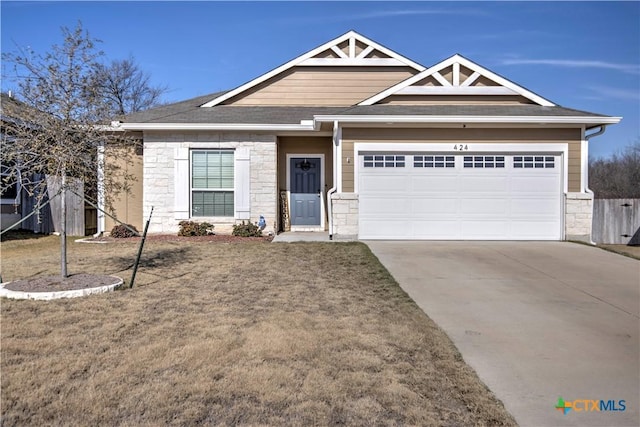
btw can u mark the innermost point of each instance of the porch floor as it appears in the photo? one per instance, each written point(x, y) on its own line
point(302, 236)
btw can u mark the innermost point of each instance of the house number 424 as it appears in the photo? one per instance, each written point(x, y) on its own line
point(460, 147)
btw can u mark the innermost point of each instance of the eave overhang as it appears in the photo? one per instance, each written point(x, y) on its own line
point(305, 125)
point(386, 120)
point(541, 120)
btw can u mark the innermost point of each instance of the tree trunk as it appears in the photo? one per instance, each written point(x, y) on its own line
point(63, 226)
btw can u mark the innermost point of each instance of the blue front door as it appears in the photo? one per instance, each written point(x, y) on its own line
point(305, 190)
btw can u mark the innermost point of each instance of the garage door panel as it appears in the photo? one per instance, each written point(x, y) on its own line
point(488, 229)
point(436, 229)
point(385, 205)
point(471, 184)
point(434, 184)
point(421, 206)
point(482, 206)
point(534, 184)
point(476, 202)
point(522, 206)
point(384, 183)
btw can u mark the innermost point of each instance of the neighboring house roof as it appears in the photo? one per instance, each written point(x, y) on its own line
point(18, 113)
point(164, 112)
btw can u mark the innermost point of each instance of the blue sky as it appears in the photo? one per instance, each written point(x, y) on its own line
point(583, 55)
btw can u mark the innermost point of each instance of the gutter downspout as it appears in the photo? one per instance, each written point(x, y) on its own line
point(603, 128)
point(332, 190)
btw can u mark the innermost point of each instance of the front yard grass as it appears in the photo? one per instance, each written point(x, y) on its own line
point(230, 333)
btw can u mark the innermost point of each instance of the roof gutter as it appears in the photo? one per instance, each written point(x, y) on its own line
point(543, 120)
point(218, 126)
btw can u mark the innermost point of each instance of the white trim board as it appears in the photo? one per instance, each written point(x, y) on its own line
point(541, 120)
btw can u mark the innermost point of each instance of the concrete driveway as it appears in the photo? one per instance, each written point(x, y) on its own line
point(536, 320)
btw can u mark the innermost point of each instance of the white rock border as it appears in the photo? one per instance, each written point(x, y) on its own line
point(45, 296)
point(90, 240)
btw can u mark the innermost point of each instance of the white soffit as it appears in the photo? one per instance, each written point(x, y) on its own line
point(349, 58)
point(458, 87)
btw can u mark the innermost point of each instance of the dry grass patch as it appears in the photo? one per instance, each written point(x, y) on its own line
point(226, 333)
point(630, 251)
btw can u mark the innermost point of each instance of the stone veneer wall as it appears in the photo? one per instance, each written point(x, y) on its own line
point(578, 216)
point(160, 185)
point(345, 216)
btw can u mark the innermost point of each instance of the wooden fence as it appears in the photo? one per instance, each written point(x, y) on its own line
point(616, 221)
point(47, 220)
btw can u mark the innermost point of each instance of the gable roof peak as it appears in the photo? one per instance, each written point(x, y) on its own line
point(349, 49)
point(458, 84)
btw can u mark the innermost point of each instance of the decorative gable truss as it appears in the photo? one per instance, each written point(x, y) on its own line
point(353, 49)
point(350, 49)
point(457, 76)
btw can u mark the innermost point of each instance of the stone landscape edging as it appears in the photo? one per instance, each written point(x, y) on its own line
point(45, 296)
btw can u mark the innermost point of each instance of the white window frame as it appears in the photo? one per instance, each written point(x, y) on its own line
point(216, 190)
point(12, 200)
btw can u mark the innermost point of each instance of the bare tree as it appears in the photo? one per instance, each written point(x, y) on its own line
point(58, 124)
point(617, 177)
point(126, 88)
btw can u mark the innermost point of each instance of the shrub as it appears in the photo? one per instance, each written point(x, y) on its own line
point(121, 231)
point(193, 228)
point(246, 230)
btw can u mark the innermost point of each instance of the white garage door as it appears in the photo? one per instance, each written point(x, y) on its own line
point(495, 196)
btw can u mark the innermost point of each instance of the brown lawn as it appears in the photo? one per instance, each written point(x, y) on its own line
point(217, 333)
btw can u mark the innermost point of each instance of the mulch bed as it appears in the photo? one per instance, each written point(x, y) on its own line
point(221, 238)
point(57, 283)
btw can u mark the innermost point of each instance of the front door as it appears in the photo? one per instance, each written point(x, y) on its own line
point(305, 190)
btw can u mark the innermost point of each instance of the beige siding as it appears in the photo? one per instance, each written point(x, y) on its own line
point(465, 73)
point(322, 86)
point(347, 167)
point(447, 73)
point(469, 135)
point(455, 100)
point(127, 207)
point(427, 81)
point(483, 81)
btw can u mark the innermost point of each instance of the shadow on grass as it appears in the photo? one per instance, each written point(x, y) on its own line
point(21, 234)
point(157, 259)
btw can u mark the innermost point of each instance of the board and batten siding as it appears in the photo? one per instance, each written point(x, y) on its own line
point(322, 86)
point(467, 135)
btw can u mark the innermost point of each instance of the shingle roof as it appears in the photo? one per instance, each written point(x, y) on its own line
point(189, 111)
point(466, 110)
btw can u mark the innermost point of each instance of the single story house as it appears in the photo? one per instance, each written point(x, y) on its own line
point(354, 139)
